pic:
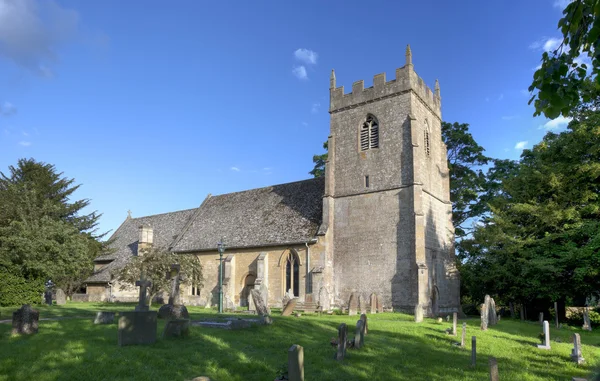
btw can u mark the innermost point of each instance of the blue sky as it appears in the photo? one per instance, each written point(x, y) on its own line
point(151, 105)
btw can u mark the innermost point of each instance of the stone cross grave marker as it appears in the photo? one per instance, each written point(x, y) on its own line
point(576, 352)
point(484, 317)
point(464, 335)
point(352, 304)
point(418, 313)
point(289, 307)
point(48, 297)
point(473, 351)
point(454, 322)
point(363, 317)
point(25, 321)
point(359, 334)
point(587, 324)
point(373, 303)
point(143, 284)
point(61, 298)
point(261, 306)
point(296, 363)
point(493, 369)
point(546, 344)
point(342, 338)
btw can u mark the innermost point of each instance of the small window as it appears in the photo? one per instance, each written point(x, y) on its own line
point(427, 146)
point(366, 181)
point(369, 134)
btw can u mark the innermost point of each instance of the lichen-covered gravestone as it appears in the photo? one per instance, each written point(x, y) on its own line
point(296, 363)
point(362, 304)
point(289, 307)
point(261, 307)
point(25, 321)
point(576, 352)
point(418, 313)
point(359, 334)
point(587, 323)
point(379, 304)
point(61, 298)
point(373, 303)
point(104, 317)
point(352, 304)
point(492, 316)
point(484, 317)
point(363, 317)
point(341, 344)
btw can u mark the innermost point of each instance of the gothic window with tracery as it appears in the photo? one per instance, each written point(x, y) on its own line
point(292, 274)
point(369, 134)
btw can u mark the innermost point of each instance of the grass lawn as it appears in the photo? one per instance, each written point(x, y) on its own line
point(395, 349)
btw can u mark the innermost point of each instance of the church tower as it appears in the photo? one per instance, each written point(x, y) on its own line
point(387, 198)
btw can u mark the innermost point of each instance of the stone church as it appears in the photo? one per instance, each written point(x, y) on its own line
point(378, 222)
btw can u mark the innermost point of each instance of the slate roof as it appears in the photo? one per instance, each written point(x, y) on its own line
point(278, 214)
point(165, 228)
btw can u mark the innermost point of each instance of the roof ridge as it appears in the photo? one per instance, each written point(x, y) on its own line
point(161, 214)
point(188, 223)
point(268, 186)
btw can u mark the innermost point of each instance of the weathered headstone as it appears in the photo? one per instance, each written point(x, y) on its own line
point(418, 313)
point(174, 309)
point(546, 344)
point(493, 369)
point(556, 314)
point(359, 334)
point(576, 352)
point(177, 328)
point(296, 363)
point(61, 298)
point(492, 316)
point(464, 335)
point(484, 317)
point(373, 303)
point(454, 322)
point(137, 327)
point(352, 304)
point(362, 304)
point(25, 321)
point(48, 297)
point(541, 318)
point(379, 304)
point(289, 307)
point(363, 317)
point(324, 302)
point(143, 284)
point(341, 344)
point(261, 307)
point(104, 317)
point(587, 324)
point(473, 351)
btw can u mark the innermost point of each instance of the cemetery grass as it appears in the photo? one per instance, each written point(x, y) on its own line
point(395, 349)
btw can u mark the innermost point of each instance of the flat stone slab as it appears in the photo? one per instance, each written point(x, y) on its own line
point(137, 327)
point(233, 323)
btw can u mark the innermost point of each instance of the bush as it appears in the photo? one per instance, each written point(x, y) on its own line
point(15, 291)
point(575, 317)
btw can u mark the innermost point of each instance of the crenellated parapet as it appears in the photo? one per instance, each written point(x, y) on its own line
point(406, 81)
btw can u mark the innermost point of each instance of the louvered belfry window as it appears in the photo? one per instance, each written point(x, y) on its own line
point(369, 134)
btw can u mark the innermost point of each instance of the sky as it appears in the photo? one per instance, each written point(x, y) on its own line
point(152, 105)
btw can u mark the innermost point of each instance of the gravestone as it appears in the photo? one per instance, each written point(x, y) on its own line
point(556, 314)
point(296, 363)
point(473, 351)
point(362, 304)
point(454, 322)
point(104, 317)
point(261, 307)
point(576, 352)
point(341, 345)
point(174, 309)
point(373, 303)
point(137, 327)
point(61, 298)
point(48, 297)
point(324, 302)
point(359, 334)
point(493, 317)
point(464, 335)
point(25, 321)
point(352, 304)
point(379, 304)
point(418, 313)
point(541, 318)
point(587, 324)
point(493, 369)
point(289, 307)
point(484, 317)
point(143, 284)
point(546, 344)
point(363, 317)
point(177, 328)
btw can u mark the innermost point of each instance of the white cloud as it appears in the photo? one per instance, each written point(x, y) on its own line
point(7, 108)
point(561, 4)
point(31, 31)
point(235, 169)
point(501, 97)
point(267, 169)
point(521, 145)
point(547, 44)
point(25, 143)
point(551, 44)
point(300, 72)
point(557, 123)
point(25, 133)
point(307, 56)
point(315, 108)
point(510, 117)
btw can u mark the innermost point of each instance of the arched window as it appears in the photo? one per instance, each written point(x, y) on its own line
point(369, 133)
point(292, 274)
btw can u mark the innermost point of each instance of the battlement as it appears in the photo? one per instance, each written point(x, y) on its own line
point(406, 81)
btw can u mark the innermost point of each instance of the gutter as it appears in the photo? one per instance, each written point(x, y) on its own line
point(305, 242)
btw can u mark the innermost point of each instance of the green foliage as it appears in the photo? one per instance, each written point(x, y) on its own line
point(319, 161)
point(154, 264)
point(564, 81)
point(575, 318)
point(14, 290)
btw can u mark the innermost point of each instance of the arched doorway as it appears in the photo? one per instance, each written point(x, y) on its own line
point(247, 285)
point(292, 273)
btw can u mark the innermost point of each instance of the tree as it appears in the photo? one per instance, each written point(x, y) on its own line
point(319, 161)
point(154, 264)
point(564, 81)
point(43, 235)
